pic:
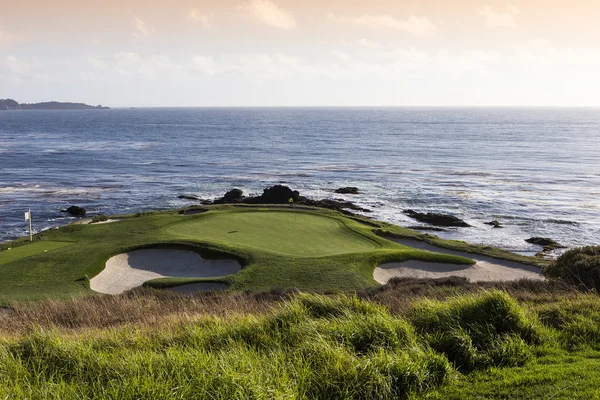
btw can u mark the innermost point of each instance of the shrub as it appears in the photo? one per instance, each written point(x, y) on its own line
point(478, 331)
point(577, 321)
point(579, 267)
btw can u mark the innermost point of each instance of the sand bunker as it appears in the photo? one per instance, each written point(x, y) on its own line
point(129, 270)
point(485, 268)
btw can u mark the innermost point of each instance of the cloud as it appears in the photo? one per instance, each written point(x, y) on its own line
point(419, 26)
point(268, 13)
point(205, 21)
point(97, 62)
point(142, 29)
point(18, 70)
point(495, 19)
point(149, 68)
point(342, 56)
point(205, 65)
point(370, 44)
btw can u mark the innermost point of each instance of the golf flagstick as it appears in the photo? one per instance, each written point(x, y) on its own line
point(28, 218)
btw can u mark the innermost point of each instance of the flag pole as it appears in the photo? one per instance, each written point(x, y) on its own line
point(30, 232)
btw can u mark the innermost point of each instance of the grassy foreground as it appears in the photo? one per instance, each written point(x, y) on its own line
point(524, 341)
point(279, 248)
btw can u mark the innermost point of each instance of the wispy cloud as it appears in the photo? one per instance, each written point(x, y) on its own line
point(97, 62)
point(149, 68)
point(499, 19)
point(420, 26)
point(20, 70)
point(142, 29)
point(268, 13)
point(370, 44)
point(341, 55)
point(204, 20)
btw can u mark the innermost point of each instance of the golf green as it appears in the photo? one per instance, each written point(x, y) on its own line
point(299, 234)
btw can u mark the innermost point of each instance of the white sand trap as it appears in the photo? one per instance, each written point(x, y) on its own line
point(485, 268)
point(129, 270)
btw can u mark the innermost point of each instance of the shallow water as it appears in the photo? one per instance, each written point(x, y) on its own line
point(536, 170)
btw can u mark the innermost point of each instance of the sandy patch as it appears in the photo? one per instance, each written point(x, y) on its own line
point(129, 270)
point(485, 268)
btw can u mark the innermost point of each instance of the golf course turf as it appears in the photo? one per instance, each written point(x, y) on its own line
point(277, 248)
point(409, 339)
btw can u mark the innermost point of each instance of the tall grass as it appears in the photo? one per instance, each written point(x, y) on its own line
point(282, 345)
point(313, 347)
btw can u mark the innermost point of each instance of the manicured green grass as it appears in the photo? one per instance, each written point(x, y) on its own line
point(21, 252)
point(284, 232)
point(304, 249)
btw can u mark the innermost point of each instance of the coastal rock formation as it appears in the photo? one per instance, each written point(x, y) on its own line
point(547, 243)
point(495, 224)
point(189, 197)
point(436, 219)
point(76, 211)
point(232, 196)
point(280, 194)
point(347, 190)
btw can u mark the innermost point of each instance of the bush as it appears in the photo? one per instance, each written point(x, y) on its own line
point(579, 267)
point(478, 331)
point(577, 321)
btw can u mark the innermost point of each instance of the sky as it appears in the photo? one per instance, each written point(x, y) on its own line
point(148, 53)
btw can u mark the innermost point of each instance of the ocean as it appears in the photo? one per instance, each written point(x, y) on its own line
point(537, 171)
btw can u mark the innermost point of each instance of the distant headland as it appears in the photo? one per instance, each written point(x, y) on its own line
point(10, 104)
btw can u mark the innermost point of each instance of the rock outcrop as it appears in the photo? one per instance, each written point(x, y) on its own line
point(436, 219)
point(347, 190)
point(280, 194)
point(76, 211)
point(494, 224)
point(547, 243)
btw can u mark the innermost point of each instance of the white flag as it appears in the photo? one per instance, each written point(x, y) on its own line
point(27, 215)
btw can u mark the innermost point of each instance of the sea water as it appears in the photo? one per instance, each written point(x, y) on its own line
point(537, 171)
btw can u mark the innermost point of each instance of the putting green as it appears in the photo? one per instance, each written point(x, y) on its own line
point(298, 234)
point(28, 250)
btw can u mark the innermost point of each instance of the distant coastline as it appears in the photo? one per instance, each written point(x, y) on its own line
point(10, 104)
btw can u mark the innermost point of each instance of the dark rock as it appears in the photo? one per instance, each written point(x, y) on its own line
point(347, 190)
point(494, 224)
point(186, 197)
point(334, 205)
point(436, 219)
point(278, 194)
point(233, 196)
point(76, 211)
point(547, 243)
